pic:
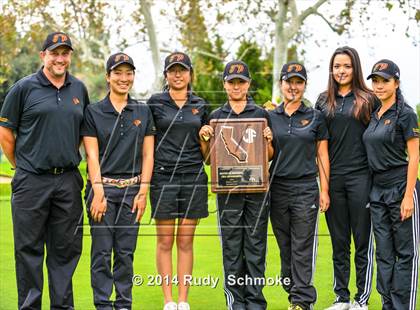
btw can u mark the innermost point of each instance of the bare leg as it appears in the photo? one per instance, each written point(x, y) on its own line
point(165, 240)
point(184, 242)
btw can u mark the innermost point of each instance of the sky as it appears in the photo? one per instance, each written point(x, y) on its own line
point(374, 41)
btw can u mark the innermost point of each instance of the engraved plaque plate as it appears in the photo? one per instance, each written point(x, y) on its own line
point(239, 157)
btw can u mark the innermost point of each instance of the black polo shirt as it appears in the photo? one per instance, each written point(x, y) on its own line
point(120, 135)
point(386, 137)
point(46, 121)
point(345, 146)
point(295, 140)
point(177, 145)
point(251, 110)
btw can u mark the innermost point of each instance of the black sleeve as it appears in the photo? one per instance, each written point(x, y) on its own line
point(267, 117)
point(86, 97)
point(213, 115)
point(88, 125)
point(12, 107)
point(205, 118)
point(409, 124)
point(322, 129)
point(150, 127)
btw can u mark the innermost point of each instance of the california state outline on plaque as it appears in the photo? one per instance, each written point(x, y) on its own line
point(232, 147)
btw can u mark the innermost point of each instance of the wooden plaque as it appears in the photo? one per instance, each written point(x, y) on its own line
point(239, 156)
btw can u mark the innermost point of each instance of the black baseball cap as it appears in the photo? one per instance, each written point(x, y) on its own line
point(386, 69)
point(178, 58)
point(291, 69)
point(236, 69)
point(118, 59)
point(56, 39)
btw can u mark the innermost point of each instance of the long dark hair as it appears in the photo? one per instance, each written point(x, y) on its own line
point(399, 101)
point(364, 102)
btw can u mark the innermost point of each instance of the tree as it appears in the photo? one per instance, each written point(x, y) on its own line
point(207, 56)
point(143, 18)
point(260, 69)
point(25, 25)
point(284, 22)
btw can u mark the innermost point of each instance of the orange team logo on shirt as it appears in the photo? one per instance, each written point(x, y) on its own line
point(294, 67)
point(194, 111)
point(380, 66)
point(238, 68)
point(137, 122)
point(176, 57)
point(387, 122)
point(121, 57)
point(62, 37)
point(304, 122)
point(76, 100)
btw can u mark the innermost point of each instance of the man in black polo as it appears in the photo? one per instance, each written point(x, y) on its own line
point(243, 218)
point(40, 135)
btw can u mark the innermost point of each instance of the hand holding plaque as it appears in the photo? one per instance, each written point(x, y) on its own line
point(239, 158)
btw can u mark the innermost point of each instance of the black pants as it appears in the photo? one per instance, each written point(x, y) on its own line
point(115, 234)
point(349, 215)
point(397, 246)
point(243, 220)
point(294, 218)
point(47, 212)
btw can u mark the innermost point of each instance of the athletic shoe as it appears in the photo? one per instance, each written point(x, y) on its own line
point(170, 306)
point(340, 306)
point(357, 306)
point(295, 307)
point(183, 306)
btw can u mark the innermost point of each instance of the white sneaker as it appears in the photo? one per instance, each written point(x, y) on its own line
point(183, 306)
point(355, 305)
point(170, 306)
point(340, 306)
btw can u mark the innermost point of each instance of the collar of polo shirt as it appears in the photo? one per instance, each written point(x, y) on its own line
point(250, 105)
point(42, 78)
point(109, 108)
point(302, 108)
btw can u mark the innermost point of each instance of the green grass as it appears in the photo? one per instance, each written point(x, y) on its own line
point(208, 261)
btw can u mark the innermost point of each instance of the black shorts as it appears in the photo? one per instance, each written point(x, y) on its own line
point(181, 195)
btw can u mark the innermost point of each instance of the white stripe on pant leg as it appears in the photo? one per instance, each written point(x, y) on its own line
point(229, 295)
point(314, 256)
point(369, 270)
point(414, 272)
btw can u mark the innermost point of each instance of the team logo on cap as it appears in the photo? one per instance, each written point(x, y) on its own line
point(121, 57)
point(176, 57)
point(137, 122)
point(294, 67)
point(305, 122)
point(76, 100)
point(194, 111)
point(387, 122)
point(62, 37)
point(380, 66)
point(238, 68)
point(3, 119)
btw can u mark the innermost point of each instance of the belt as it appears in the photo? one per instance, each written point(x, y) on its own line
point(59, 170)
point(121, 183)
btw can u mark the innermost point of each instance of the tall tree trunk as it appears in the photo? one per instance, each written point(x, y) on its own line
point(153, 42)
point(280, 49)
